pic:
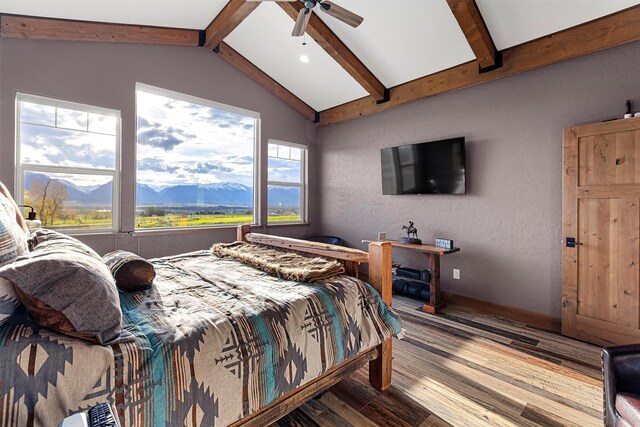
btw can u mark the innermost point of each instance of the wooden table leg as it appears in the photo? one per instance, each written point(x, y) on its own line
point(380, 257)
point(435, 299)
point(380, 368)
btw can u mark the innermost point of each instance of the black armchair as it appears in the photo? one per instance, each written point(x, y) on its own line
point(621, 370)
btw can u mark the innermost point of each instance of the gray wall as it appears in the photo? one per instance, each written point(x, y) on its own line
point(508, 226)
point(105, 75)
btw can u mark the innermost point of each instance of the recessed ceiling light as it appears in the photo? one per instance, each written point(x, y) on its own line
point(304, 59)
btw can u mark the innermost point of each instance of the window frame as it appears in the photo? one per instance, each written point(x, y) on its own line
point(211, 104)
point(303, 185)
point(115, 173)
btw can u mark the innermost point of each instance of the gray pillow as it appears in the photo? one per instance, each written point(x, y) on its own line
point(46, 240)
point(66, 287)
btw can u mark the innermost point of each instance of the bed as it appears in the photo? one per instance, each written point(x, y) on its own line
point(215, 342)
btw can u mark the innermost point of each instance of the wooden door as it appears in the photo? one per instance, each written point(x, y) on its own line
point(601, 212)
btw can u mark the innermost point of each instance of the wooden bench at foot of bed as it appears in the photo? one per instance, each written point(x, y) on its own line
point(379, 358)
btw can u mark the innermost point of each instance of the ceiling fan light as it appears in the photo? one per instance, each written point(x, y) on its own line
point(304, 58)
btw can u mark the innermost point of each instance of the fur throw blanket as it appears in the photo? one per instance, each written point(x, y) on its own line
point(288, 265)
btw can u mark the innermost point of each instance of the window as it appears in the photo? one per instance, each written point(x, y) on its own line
point(68, 163)
point(195, 161)
point(287, 182)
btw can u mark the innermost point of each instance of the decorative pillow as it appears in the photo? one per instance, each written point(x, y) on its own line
point(132, 272)
point(9, 301)
point(66, 287)
point(13, 239)
point(46, 240)
point(13, 243)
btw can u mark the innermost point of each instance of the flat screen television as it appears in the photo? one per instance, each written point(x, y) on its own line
point(436, 167)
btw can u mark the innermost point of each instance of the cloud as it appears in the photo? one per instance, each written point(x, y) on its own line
point(72, 119)
point(39, 114)
point(44, 145)
point(220, 118)
point(163, 137)
point(176, 104)
point(204, 167)
point(156, 165)
point(143, 123)
point(239, 160)
point(86, 154)
point(284, 170)
point(214, 145)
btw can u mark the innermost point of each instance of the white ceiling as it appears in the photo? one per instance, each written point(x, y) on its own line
point(514, 22)
point(404, 43)
point(264, 38)
point(399, 40)
point(192, 14)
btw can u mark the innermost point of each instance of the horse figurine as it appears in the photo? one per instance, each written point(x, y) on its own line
point(412, 234)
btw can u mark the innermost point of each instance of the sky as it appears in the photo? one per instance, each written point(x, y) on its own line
point(178, 143)
point(181, 142)
point(80, 140)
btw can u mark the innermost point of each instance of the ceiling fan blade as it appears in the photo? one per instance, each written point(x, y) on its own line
point(341, 13)
point(301, 22)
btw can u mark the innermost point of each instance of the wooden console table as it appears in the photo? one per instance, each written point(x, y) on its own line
point(433, 254)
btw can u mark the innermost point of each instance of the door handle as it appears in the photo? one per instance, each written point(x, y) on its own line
point(570, 242)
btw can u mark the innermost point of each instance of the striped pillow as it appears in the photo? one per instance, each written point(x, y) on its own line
point(9, 301)
point(13, 239)
point(13, 243)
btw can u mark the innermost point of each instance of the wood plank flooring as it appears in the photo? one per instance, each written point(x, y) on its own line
point(463, 368)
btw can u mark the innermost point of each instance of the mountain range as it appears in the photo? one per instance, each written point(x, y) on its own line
point(223, 193)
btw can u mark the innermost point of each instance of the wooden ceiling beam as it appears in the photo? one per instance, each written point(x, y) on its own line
point(227, 20)
point(27, 27)
point(329, 41)
point(227, 53)
point(472, 25)
point(604, 33)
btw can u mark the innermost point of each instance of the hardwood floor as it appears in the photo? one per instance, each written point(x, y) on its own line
point(463, 368)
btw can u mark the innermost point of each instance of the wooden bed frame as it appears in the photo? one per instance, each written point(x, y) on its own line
point(379, 358)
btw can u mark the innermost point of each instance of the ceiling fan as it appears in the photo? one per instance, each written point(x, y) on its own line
point(327, 7)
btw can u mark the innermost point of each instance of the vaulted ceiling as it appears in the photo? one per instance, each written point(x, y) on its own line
point(403, 51)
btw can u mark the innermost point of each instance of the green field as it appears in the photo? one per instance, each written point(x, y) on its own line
point(191, 220)
point(203, 220)
point(172, 221)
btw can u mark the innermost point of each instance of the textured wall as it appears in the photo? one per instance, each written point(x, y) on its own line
point(508, 225)
point(105, 75)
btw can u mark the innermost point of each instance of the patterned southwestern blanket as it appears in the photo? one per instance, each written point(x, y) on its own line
point(215, 340)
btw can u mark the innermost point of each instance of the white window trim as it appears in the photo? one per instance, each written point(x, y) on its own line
point(114, 173)
point(288, 144)
point(304, 185)
point(257, 155)
point(194, 99)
